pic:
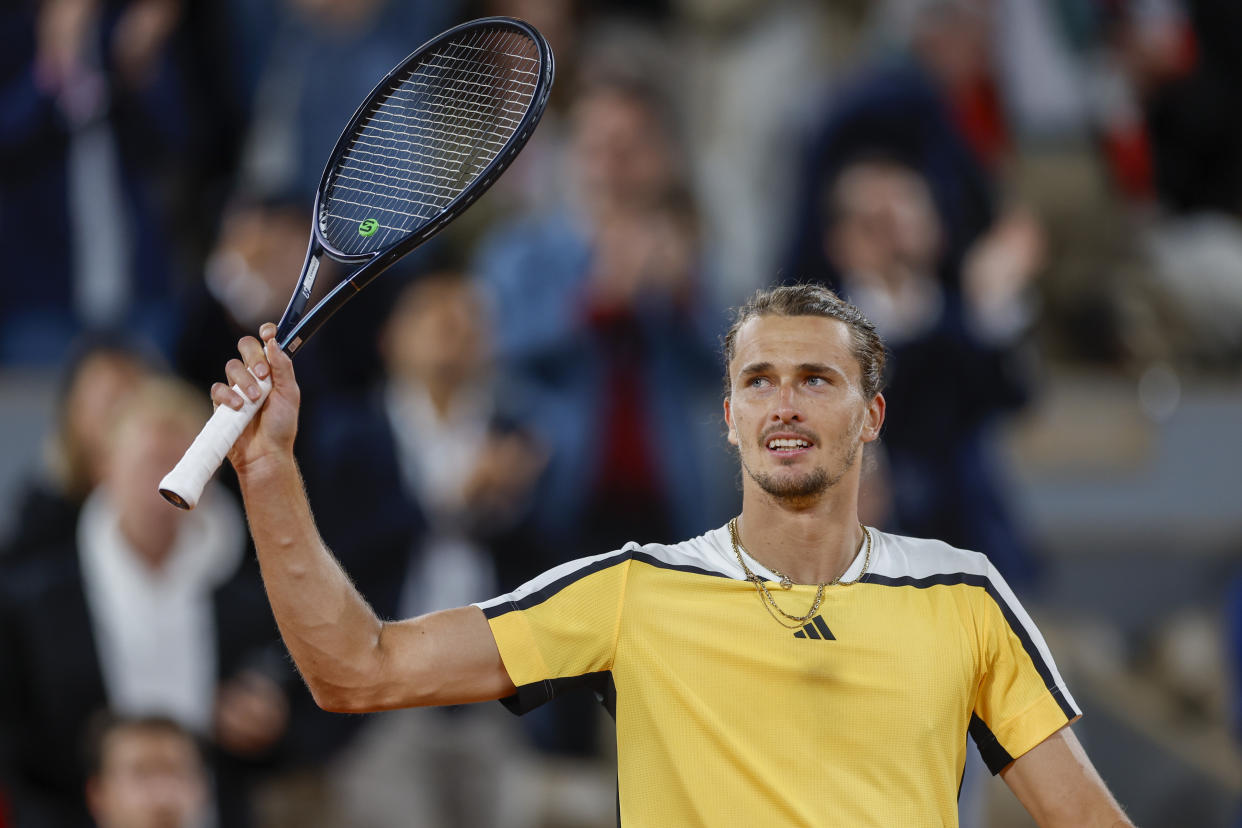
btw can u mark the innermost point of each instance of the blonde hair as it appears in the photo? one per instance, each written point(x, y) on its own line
point(68, 453)
point(163, 398)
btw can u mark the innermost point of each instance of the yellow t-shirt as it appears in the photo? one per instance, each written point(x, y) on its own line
point(724, 717)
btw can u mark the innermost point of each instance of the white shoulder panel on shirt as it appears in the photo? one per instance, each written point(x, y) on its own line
point(897, 556)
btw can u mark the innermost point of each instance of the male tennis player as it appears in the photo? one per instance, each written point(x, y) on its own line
point(790, 668)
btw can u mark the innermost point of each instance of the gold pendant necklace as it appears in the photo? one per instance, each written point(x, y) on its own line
point(786, 582)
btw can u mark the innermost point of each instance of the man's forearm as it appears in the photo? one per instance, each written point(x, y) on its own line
point(330, 630)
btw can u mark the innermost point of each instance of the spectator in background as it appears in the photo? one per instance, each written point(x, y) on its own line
point(956, 360)
point(146, 772)
point(602, 315)
point(935, 107)
point(1183, 65)
point(1182, 61)
point(102, 370)
point(146, 610)
point(438, 446)
point(745, 74)
point(95, 130)
point(248, 277)
point(601, 310)
point(465, 459)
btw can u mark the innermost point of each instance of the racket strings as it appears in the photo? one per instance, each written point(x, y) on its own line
point(440, 176)
point(473, 112)
point(438, 127)
point(483, 90)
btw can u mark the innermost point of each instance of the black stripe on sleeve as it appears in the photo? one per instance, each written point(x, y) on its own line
point(994, 754)
point(1011, 618)
point(644, 557)
point(499, 609)
point(536, 694)
point(542, 594)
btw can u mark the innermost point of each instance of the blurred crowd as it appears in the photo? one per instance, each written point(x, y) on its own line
point(999, 184)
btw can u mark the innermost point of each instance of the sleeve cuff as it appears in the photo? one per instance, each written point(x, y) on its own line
point(1001, 745)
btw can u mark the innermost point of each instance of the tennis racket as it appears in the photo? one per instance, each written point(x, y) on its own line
point(435, 133)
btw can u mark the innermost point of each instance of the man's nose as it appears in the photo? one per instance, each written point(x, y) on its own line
point(787, 406)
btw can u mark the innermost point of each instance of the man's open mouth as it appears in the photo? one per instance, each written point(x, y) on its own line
point(787, 444)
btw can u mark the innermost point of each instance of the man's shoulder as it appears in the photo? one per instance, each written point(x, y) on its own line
point(703, 555)
point(706, 554)
point(925, 561)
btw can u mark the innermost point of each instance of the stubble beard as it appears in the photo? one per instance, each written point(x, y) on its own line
point(805, 488)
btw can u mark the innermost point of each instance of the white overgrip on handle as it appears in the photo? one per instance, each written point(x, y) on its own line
point(183, 486)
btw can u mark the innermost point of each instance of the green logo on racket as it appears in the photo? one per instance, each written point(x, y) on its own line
point(368, 227)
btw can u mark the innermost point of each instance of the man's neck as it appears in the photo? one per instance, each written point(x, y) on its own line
point(811, 543)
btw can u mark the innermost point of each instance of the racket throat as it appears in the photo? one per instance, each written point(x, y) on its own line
point(302, 294)
point(299, 329)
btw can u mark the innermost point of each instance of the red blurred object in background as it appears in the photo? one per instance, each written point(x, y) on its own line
point(981, 118)
point(1129, 158)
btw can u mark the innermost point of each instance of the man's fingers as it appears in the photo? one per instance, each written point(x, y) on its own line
point(242, 372)
point(221, 394)
point(237, 375)
point(282, 366)
point(276, 359)
point(252, 353)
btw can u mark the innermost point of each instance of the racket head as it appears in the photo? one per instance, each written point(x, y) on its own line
point(432, 137)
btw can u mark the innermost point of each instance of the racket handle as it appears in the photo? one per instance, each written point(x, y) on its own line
point(183, 486)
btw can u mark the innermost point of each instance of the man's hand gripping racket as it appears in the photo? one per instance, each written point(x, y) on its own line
point(435, 133)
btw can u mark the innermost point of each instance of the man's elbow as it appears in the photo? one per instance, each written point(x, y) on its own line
point(348, 688)
point(367, 687)
point(369, 699)
point(333, 701)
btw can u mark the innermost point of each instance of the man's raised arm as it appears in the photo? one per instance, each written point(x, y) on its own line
point(350, 659)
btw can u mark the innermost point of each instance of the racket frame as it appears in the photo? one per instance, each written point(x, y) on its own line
point(296, 324)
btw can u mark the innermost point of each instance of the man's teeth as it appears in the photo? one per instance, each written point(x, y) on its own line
point(787, 444)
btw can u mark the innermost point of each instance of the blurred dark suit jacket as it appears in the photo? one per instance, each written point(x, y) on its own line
point(51, 684)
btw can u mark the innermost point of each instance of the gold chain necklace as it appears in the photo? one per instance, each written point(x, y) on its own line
point(786, 582)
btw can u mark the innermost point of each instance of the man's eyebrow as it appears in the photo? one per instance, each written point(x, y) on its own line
point(756, 368)
point(820, 368)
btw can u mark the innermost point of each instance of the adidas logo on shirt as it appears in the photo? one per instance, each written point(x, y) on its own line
point(817, 630)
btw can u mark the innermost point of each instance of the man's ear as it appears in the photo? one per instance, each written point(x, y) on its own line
point(728, 415)
point(874, 419)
